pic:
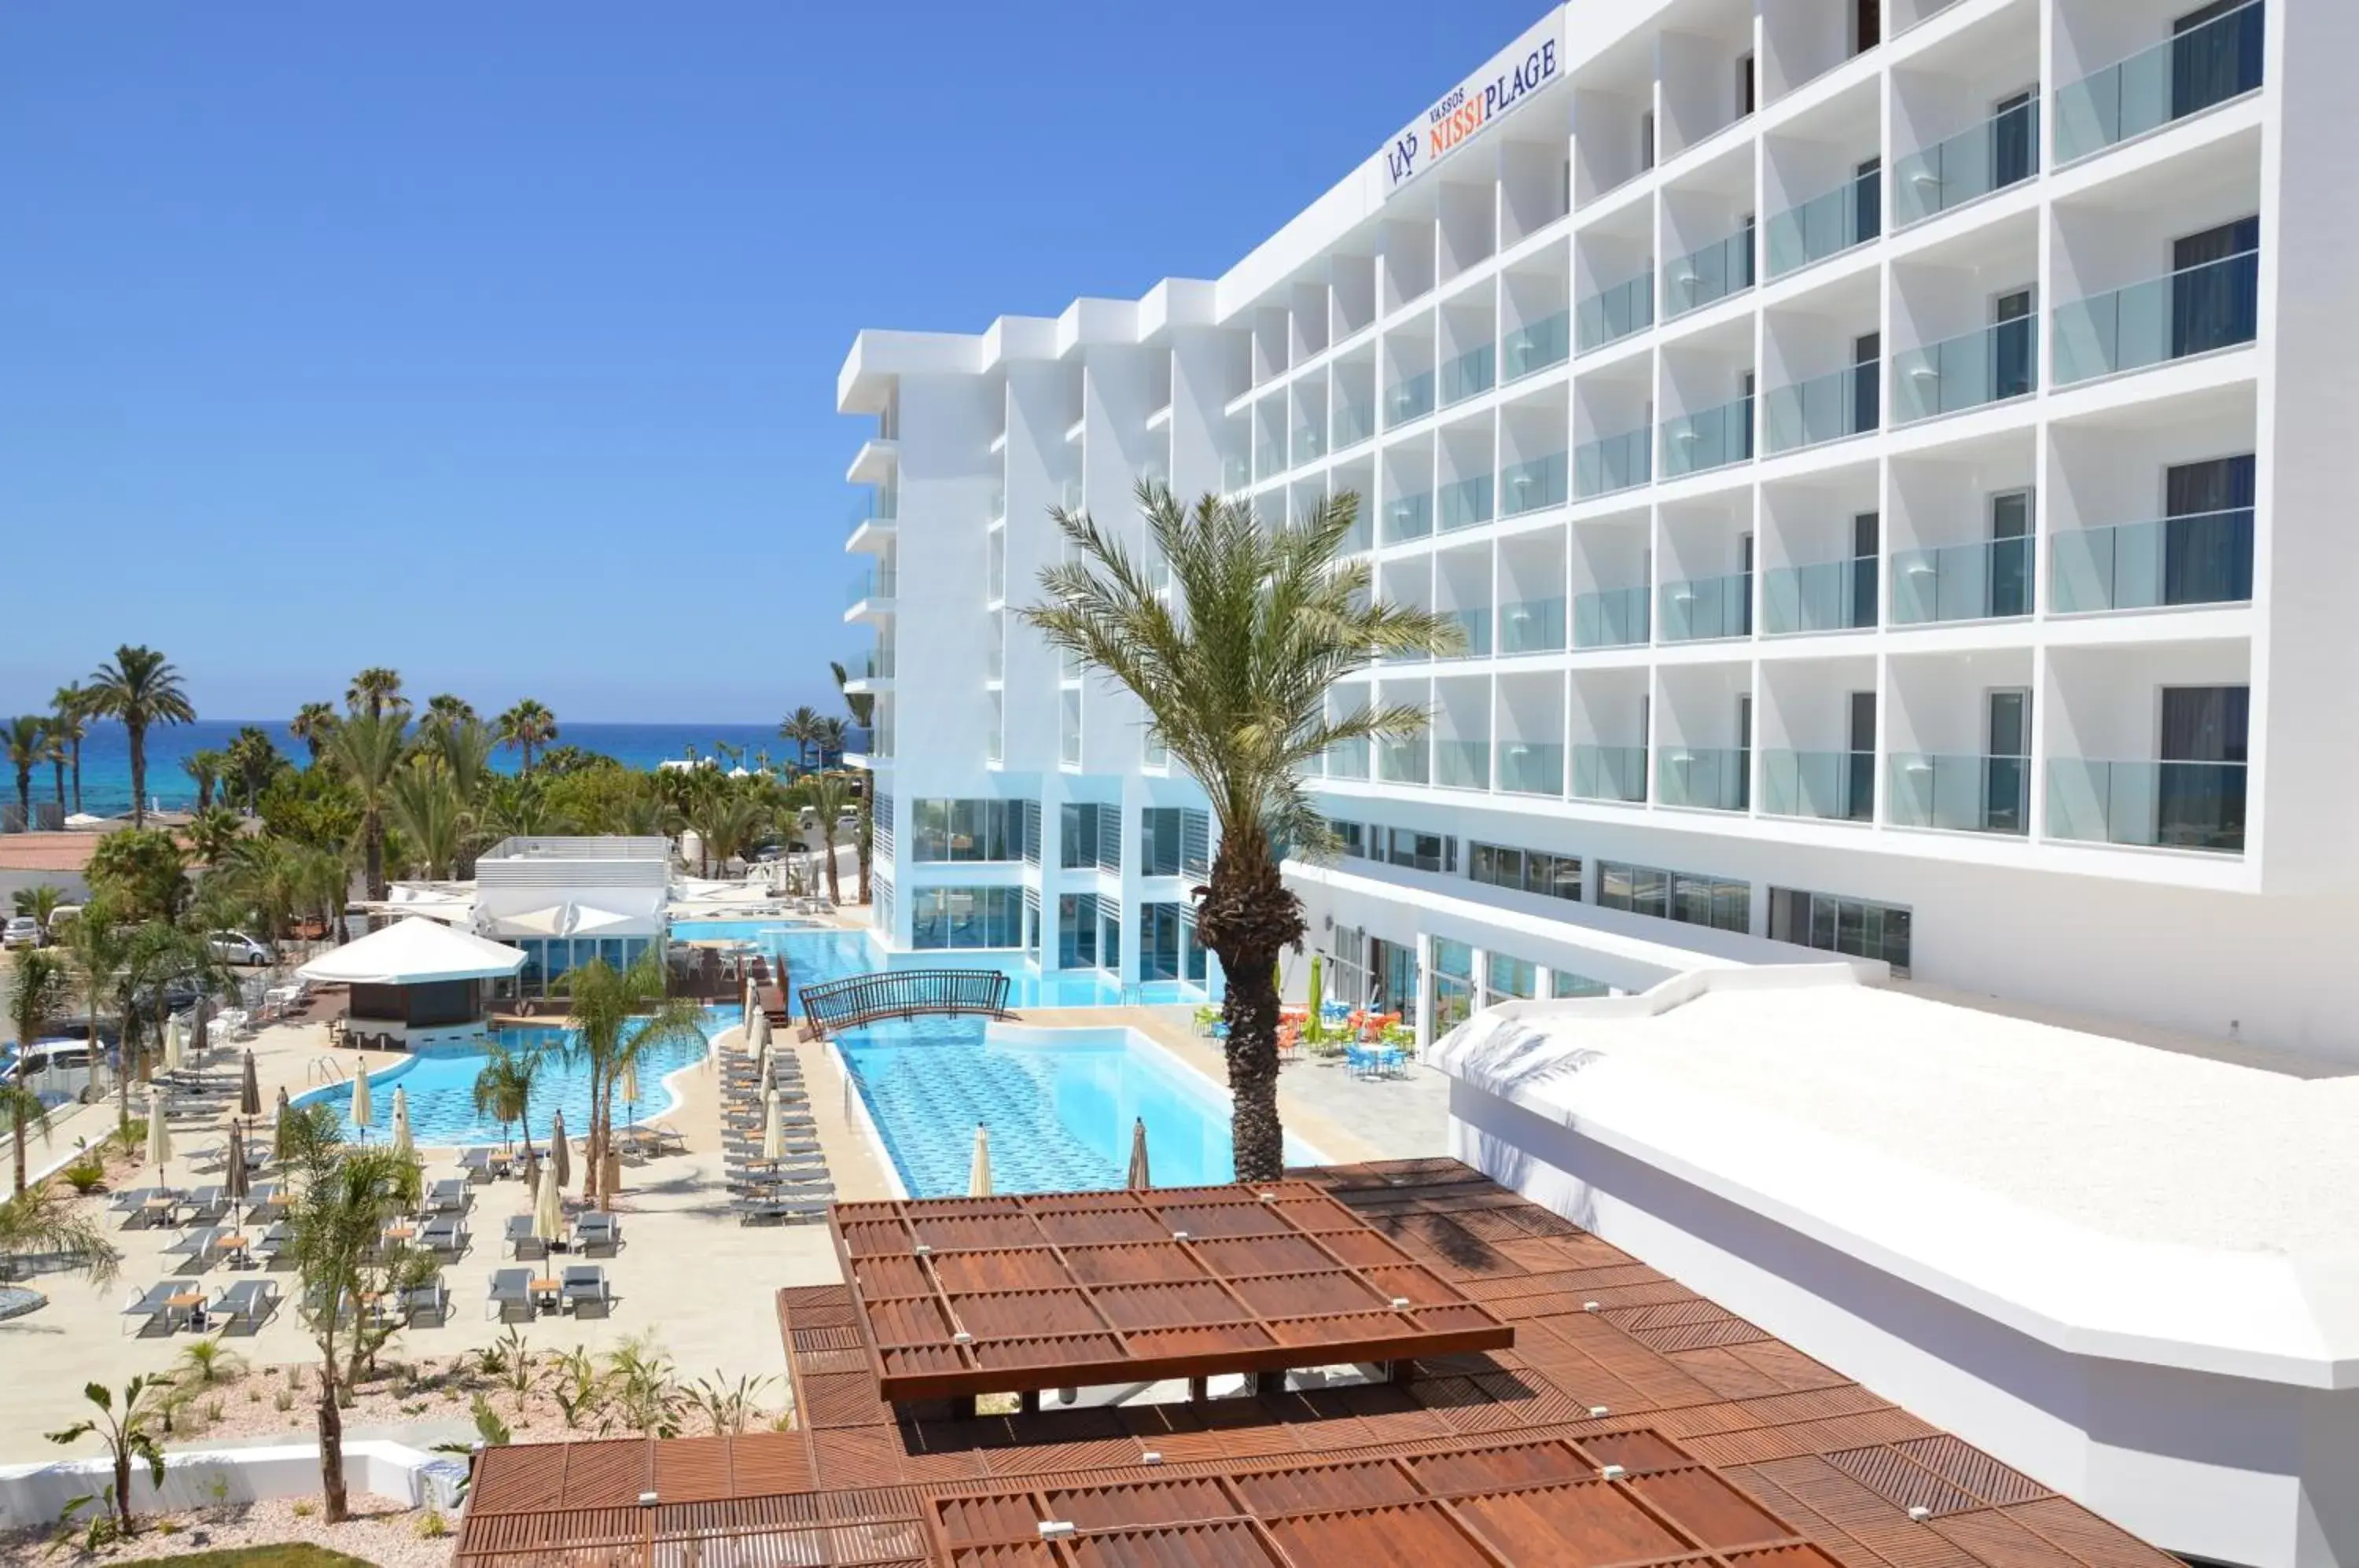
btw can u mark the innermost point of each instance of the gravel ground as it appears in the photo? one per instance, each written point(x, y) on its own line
point(381, 1531)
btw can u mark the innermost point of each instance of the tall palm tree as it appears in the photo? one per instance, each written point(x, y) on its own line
point(861, 705)
point(204, 767)
point(53, 741)
point(312, 724)
point(26, 739)
point(518, 807)
point(37, 991)
point(141, 688)
point(367, 751)
point(617, 1017)
point(803, 727)
point(376, 692)
point(865, 839)
point(444, 709)
point(527, 727)
point(833, 739)
point(1235, 675)
point(98, 945)
point(504, 1088)
point(828, 796)
point(213, 832)
point(426, 806)
point(69, 722)
point(727, 821)
point(252, 760)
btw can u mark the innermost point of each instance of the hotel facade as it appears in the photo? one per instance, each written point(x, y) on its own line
point(1887, 463)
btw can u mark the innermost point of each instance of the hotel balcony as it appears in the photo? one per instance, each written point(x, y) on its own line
point(1705, 608)
point(1712, 438)
point(871, 670)
point(1850, 214)
point(1355, 422)
point(1464, 504)
point(1462, 764)
point(1532, 487)
point(874, 523)
point(1473, 629)
point(1534, 348)
point(1982, 581)
point(1410, 397)
point(1531, 768)
point(2156, 804)
point(1709, 274)
point(1613, 313)
point(870, 597)
point(1610, 617)
point(1403, 761)
point(2203, 559)
point(1836, 786)
point(1409, 517)
point(1827, 596)
point(2189, 72)
point(1613, 462)
point(1822, 409)
point(1236, 474)
point(2196, 309)
point(2001, 151)
point(1609, 773)
point(1988, 364)
point(1348, 760)
point(1708, 779)
point(1469, 375)
point(1531, 626)
point(1958, 793)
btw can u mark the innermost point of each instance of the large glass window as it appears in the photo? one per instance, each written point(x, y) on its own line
point(1453, 984)
point(1352, 838)
point(1420, 851)
point(1090, 835)
point(1173, 841)
point(1527, 870)
point(1077, 930)
point(1507, 979)
point(1568, 983)
point(1160, 942)
point(1831, 924)
point(948, 917)
point(966, 829)
point(1686, 896)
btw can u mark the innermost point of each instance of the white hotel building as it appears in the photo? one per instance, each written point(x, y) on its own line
point(1892, 464)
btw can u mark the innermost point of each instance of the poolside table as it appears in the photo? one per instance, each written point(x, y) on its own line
point(553, 1290)
point(231, 1248)
point(185, 1304)
point(161, 1207)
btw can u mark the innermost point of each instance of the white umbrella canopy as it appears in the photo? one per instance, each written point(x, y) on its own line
point(628, 1090)
point(401, 1120)
point(159, 1133)
point(774, 1128)
point(561, 1151)
point(751, 1010)
point(363, 1112)
point(413, 952)
point(548, 1208)
point(978, 1172)
point(1138, 1177)
point(176, 1047)
point(758, 1032)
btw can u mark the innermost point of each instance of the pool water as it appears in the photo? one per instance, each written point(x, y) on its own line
point(815, 955)
point(440, 1087)
point(1060, 1114)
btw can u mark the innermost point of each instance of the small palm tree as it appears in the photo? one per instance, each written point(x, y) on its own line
point(98, 944)
point(38, 992)
point(804, 727)
point(252, 760)
point(527, 727)
point(45, 1220)
point(70, 723)
point(213, 832)
point(204, 767)
point(140, 689)
point(26, 739)
point(503, 1087)
point(617, 1015)
point(367, 749)
point(834, 739)
point(126, 1433)
point(1234, 674)
point(41, 901)
point(444, 709)
point(828, 797)
point(208, 1361)
point(376, 692)
point(312, 724)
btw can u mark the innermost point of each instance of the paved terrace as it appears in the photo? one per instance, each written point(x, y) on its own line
point(1632, 1423)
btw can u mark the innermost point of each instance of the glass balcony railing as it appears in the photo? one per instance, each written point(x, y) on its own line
point(1402, 761)
point(1705, 779)
point(1823, 408)
point(2193, 310)
point(1531, 768)
point(1825, 597)
point(1464, 504)
point(1531, 626)
point(1000, 506)
point(1612, 617)
point(1235, 474)
point(1355, 422)
point(1546, 341)
point(1362, 535)
point(1705, 608)
point(1834, 785)
point(1989, 580)
point(1470, 374)
point(1988, 364)
point(2163, 805)
point(883, 506)
point(1702, 277)
point(876, 664)
point(1410, 399)
point(2205, 558)
point(1614, 463)
point(1071, 495)
point(1310, 443)
point(1713, 438)
point(2002, 150)
point(1462, 764)
point(1609, 772)
point(1612, 314)
point(1349, 760)
point(1958, 793)
point(2184, 74)
point(1850, 214)
point(875, 584)
point(1473, 632)
point(1534, 486)
point(994, 659)
point(1269, 457)
point(1408, 517)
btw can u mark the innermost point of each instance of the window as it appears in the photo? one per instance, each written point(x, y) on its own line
point(880, 831)
point(1565, 982)
point(1453, 984)
point(1420, 851)
point(1172, 841)
point(1352, 838)
point(1646, 141)
point(1077, 930)
point(1841, 925)
point(966, 829)
point(1507, 979)
point(1032, 835)
point(1527, 870)
point(948, 918)
point(1713, 902)
point(1090, 835)
point(1745, 92)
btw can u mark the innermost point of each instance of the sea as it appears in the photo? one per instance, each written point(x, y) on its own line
point(106, 756)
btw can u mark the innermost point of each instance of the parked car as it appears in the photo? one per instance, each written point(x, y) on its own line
point(22, 930)
point(236, 947)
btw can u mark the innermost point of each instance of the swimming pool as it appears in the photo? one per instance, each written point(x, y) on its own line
point(1059, 1104)
point(440, 1087)
point(814, 954)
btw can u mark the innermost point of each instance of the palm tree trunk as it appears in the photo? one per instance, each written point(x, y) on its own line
point(57, 778)
point(336, 1504)
point(1248, 917)
point(77, 774)
point(20, 1125)
point(25, 797)
point(137, 736)
point(373, 844)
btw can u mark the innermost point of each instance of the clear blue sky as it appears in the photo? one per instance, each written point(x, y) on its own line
point(497, 343)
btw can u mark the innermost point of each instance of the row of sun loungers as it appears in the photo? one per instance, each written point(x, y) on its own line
point(795, 1185)
point(517, 1296)
point(171, 1304)
point(591, 1233)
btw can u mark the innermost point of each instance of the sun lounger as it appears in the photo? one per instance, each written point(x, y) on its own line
point(196, 1246)
point(208, 1202)
point(584, 1293)
point(249, 1303)
point(270, 1243)
point(129, 1200)
point(448, 1196)
point(446, 1235)
point(755, 1211)
point(429, 1300)
point(265, 1201)
point(596, 1231)
point(153, 1306)
point(521, 1243)
point(510, 1298)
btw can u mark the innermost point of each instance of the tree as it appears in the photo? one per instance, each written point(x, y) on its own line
point(252, 761)
point(368, 751)
point(376, 692)
point(126, 1435)
point(156, 953)
point(1234, 674)
point(833, 739)
point(139, 690)
point(804, 727)
point(312, 724)
point(37, 991)
point(41, 901)
point(861, 705)
point(427, 807)
point(865, 839)
point(141, 871)
point(213, 832)
point(828, 799)
point(617, 1015)
point(527, 727)
point(204, 767)
point(26, 739)
point(46, 1220)
point(70, 723)
point(98, 945)
point(444, 709)
point(503, 1087)
point(727, 821)
point(344, 1197)
point(515, 807)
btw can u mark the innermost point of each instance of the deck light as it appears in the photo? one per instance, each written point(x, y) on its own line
point(1613, 1473)
point(1921, 1513)
point(1399, 1302)
point(1152, 1456)
point(961, 1337)
point(1598, 1412)
point(1179, 1236)
point(647, 1499)
point(1056, 1529)
point(1589, 1306)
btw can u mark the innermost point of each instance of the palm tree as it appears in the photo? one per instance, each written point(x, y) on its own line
point(617, 1015)
point(45, 1220)
point(376, 692)
point(312, 724)
point(213, 832)
point(828, 798)
point(427, 807)
point(367, 751)
point(833, 739)
point(1235, 677)
point(37, 991)
point(69, 722)
point(41, 901)
point(139, 689)
point(252, 760)
point(864, 840)
point(26, 739)
point(344, 1197)
point(204, 767)
point(444, 709)
point(53, 741)
point(727, 821)
point(503, 1087)
point(518, 808)
point(98, 945)
point(861, 705)
point(527, 727)
point(127, 1435)
point(803, 727)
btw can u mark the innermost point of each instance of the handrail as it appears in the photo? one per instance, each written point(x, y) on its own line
point(861, 999)
point(325, 1070)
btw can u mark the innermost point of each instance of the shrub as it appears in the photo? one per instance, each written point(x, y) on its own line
point(86, 1175)
point(305, 1507)
point(432, 1526)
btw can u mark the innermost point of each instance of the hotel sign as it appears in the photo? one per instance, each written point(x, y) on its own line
point(1468, 110)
